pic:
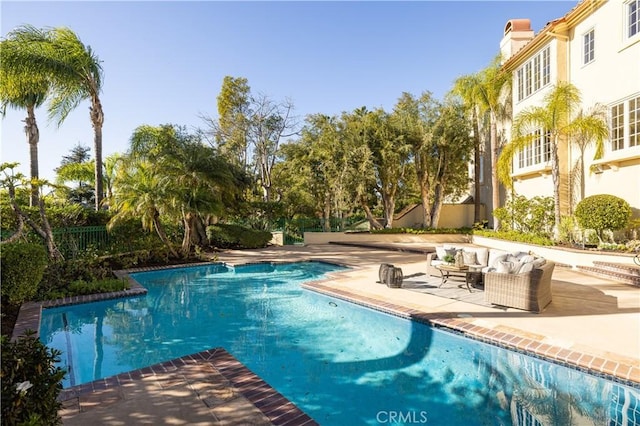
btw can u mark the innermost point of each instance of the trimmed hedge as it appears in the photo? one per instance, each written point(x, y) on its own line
point(237, 237)
point(23, 265)
point(603, 212)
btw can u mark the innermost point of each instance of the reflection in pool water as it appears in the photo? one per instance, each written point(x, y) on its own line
point(339, 362)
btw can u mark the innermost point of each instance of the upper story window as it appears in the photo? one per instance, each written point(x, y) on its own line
point(534, 74)
point(625, 124)
point(633, 17)
point(588, 47)
point(546, 66)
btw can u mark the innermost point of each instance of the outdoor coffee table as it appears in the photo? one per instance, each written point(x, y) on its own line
point(471, 274)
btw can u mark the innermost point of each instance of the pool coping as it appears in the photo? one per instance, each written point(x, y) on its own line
point(272, 404)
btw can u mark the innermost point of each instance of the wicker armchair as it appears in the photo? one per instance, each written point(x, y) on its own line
point(530, 291)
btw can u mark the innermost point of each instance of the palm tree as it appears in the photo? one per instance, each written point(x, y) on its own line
point(592, 132)
point(22, 89)
point(140, 194)
point(493, 95)
point(467, 88)
point(488, 93)
point(74, 71)
point(555, 119)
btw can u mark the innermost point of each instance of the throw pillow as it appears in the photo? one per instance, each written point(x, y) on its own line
point(497, 260)
point(440, 252)
point(512, 258)
point(527, 258)
point(504, 267)
point(539, 261)
point(469, 257)
point(525, 267)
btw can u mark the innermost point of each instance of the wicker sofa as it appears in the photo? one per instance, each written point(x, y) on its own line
point(530, 291)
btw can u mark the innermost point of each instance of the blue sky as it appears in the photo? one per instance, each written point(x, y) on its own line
point(164, 62)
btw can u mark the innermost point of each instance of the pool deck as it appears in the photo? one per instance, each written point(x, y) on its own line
point(593, 323)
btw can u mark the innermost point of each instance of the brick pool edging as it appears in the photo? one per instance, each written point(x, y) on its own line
point(618, 371)
point(272, 404)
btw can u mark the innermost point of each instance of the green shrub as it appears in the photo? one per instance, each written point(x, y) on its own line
point(81, 287)
point(566, 233)
point(532, 216)
point(30, 382)
point(603, 212)
point(237, 237)
point(516, 236)
point(57, 276)
point(23, 266)
point(421, 231)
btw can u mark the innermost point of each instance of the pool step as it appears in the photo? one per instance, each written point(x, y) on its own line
point(625, 273)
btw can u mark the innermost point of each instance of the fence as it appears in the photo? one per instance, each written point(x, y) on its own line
point(72, 241)
point(75, 240)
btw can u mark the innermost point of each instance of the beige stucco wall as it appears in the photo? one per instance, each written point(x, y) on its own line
point(451, 216)
point(564, 256)
point(613, 77)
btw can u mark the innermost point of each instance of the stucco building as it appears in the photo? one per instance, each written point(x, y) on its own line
point(596, 47)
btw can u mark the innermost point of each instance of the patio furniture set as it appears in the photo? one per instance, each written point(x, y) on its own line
point(511, 279)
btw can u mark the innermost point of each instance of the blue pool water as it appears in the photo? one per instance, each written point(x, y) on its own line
point(341, 363)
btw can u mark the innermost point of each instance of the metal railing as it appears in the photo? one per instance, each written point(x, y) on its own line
point(73, 241)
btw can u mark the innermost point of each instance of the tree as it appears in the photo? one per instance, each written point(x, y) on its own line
point(467, 88)
point(250, 128)
point(196, 182)
point(77, 168)
point(380, 145)
point(22, 88)
point(315, 169)
point(491, 88)
point(417, 117)
point(593, 132)
point(141, 194)
point(232, 126)
point(452, 148)
point(11, 181)
point(555, 118)
point(58, 56)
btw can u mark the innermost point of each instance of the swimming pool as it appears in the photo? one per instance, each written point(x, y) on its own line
point(339, 362)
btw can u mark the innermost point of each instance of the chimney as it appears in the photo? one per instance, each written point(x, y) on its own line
point(517, 33)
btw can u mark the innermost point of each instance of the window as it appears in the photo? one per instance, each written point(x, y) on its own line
point(625, 124)
point(534, 74)
point(520, 78)
point(634, 122)
point(617, 127)
point(588, 47)
point(546, 66)
point(527, 79)
point(633, 16)
point(537, 152)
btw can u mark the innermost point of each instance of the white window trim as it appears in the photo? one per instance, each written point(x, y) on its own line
point(625, 19)
point(591, 31)
point(525, 80)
